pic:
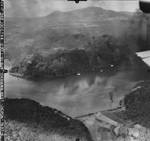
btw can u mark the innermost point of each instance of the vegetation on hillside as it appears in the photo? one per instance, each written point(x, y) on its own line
point(70, 30)
point(101, 54)
point(137, 103)
point(28, 120)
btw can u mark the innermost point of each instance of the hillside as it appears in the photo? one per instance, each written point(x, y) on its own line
point(28, 120)
point(128, 122)
point(71, 29)
point(101, 55)
point(137, 104)
point(86, 15)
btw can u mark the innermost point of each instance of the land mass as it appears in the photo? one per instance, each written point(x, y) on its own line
point(69, 43)
point(102, 54)
point(70, 30)
point(28, 120)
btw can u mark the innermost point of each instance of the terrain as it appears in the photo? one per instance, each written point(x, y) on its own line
point(103, 54)
point(71, 43)
point(129, 121)
point(67, 43)
point(70, 30)
point(137, 104)
point(27, 120)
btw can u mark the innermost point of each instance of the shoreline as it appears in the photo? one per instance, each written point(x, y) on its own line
point(16, 75)
point(77, 74)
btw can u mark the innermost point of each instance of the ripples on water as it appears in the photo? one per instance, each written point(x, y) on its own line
point(73, 95)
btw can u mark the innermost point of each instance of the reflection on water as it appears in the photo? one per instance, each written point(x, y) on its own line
point(73, 95)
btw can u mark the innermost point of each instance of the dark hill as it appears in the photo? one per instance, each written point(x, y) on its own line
point(137, 104)
point(102, 54)
point(43, 119)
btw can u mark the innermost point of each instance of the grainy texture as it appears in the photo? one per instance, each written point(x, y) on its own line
point(29, 121)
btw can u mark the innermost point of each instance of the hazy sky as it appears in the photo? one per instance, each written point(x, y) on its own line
point(32, 8)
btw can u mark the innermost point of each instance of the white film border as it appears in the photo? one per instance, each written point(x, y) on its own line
point(2, 122)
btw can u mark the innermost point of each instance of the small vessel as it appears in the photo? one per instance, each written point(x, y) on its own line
point(78, 74)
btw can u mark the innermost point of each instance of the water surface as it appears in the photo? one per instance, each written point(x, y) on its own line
point(74, 95)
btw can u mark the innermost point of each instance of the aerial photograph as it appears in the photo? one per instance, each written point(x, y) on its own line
point(76, 70)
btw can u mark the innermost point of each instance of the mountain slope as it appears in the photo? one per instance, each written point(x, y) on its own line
point(29, 120)
point(59, 28)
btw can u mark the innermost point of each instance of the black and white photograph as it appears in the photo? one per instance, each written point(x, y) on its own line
point(75, 70)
